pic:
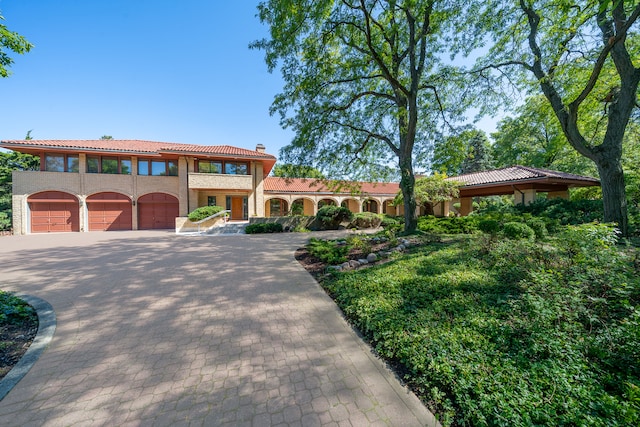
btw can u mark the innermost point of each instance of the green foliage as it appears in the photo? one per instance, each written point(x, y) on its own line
point(13, 309)
point(449, 225)
point(11, 41)
point(296, 171)
point(538, 226)
point(489, 226)
point(263, 227)
point(524, 334)
point(468, 150)
point(366, 220)
point(565, 211)
point(432, 189)
point(204, 212)
point(518, 230)
point(393, 224)
point(10, 162)
point(328, 251)
point(332, 216)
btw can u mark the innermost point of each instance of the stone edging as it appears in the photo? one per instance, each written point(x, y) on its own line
point(46, 329)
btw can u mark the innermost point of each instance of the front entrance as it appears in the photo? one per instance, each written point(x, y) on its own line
point(238, 208)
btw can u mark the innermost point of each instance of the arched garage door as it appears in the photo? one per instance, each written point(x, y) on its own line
point(109, 211)
point(54, 211)
point(157, 211)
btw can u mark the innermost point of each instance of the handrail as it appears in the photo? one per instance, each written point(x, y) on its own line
point(211, 217)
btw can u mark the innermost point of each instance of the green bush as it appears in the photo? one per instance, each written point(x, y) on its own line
point(489, 226)
point(263, 227)
point(448, 225)
point(204, 212)
point(365, 220)
point(518, 230)
point(538, 226)
point(328, 251)
point(13, 309)
point(393, 224)
point(332, 216)
point(567, 212)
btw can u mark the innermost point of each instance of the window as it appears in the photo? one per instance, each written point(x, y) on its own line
point(157, 167)
point(211, 200)
point(93, 164)
point(125, 166)
point(207, 166)
point(54, 162)
point(73, 164)
point(236, 168)
point(109, 165)
point(112, 165)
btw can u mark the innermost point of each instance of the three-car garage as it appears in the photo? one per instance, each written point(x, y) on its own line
point(58, 211)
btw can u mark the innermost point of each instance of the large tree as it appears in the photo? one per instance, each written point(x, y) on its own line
point(579, 54)
point(533, 137)
point(464, 151)
point(10, 42)
point(364, 84)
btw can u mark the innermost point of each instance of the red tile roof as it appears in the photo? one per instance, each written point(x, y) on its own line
point(518, 174)
point(136, 146)
point(310, 185)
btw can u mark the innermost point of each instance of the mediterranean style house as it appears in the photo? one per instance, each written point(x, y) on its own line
point(101, 185)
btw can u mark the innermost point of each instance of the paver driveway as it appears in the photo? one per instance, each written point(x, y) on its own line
point(159, 329)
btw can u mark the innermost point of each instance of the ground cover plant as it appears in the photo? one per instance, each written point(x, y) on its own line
point(490, 330)
point(264, 227)
point(18, 328)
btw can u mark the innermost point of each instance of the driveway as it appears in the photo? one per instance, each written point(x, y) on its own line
point(159, 329)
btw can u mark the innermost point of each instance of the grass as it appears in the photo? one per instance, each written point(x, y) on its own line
point(506, 332)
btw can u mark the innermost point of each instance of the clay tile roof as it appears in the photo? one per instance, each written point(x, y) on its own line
point(517, 174)
point(310, 185)
point(137, 146)
point(225, 150)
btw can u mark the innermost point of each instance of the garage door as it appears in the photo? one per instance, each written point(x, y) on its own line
point(109, 211)
point(54, 211)
point(157, 211)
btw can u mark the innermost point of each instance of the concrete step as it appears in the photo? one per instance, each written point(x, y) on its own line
point(228, 229)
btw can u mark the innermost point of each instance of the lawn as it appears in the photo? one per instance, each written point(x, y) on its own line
point(495, 331)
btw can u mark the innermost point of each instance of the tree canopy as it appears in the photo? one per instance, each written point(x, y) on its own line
point(365, 86)
point(10, 41)
point(583, 57)
point(289, 170)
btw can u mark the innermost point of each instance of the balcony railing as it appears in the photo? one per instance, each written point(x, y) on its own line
point(214, 181)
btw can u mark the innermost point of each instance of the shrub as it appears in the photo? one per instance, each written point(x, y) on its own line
point(13, 309)
point(328, 251)
point(332, 216)
point(391, 223)
point(451, 225)
point(366, 220)
point(489, 226)
point(518, 230)
point(538, 226)
point(204, 212)
point(263, 227)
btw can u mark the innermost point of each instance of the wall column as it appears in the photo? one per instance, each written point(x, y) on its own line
point(466, 206)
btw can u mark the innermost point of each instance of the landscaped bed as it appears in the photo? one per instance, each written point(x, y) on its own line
point(489, 330)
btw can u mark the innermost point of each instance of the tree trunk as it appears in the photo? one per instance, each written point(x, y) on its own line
point(407, 184)
point(614, 198)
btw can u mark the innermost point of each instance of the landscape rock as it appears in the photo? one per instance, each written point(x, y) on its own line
point(363, 261)
point(372, 257)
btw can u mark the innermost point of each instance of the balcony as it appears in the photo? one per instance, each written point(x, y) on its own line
point(214, 181)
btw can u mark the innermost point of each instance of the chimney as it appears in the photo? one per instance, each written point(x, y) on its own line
point(260, 148)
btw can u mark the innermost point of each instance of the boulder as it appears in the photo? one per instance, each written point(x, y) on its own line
point(372, 257)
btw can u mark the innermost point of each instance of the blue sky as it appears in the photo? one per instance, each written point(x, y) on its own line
point(173, 71)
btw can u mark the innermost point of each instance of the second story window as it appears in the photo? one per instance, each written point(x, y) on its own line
point(155, 167)
point(209, 166)
point(111, 165)
point(236, 168)
point(61, 163)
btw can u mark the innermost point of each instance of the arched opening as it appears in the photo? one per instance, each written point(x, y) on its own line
point(276, 207)
point(157, 211)
point(109, 211)
point(326, 202)
point(370, 206)
point(54, 211)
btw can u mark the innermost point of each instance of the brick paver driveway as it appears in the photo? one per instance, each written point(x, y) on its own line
point(159, 329)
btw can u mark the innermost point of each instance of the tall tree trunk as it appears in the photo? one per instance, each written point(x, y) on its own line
point(407, 184)
point(614, 198)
